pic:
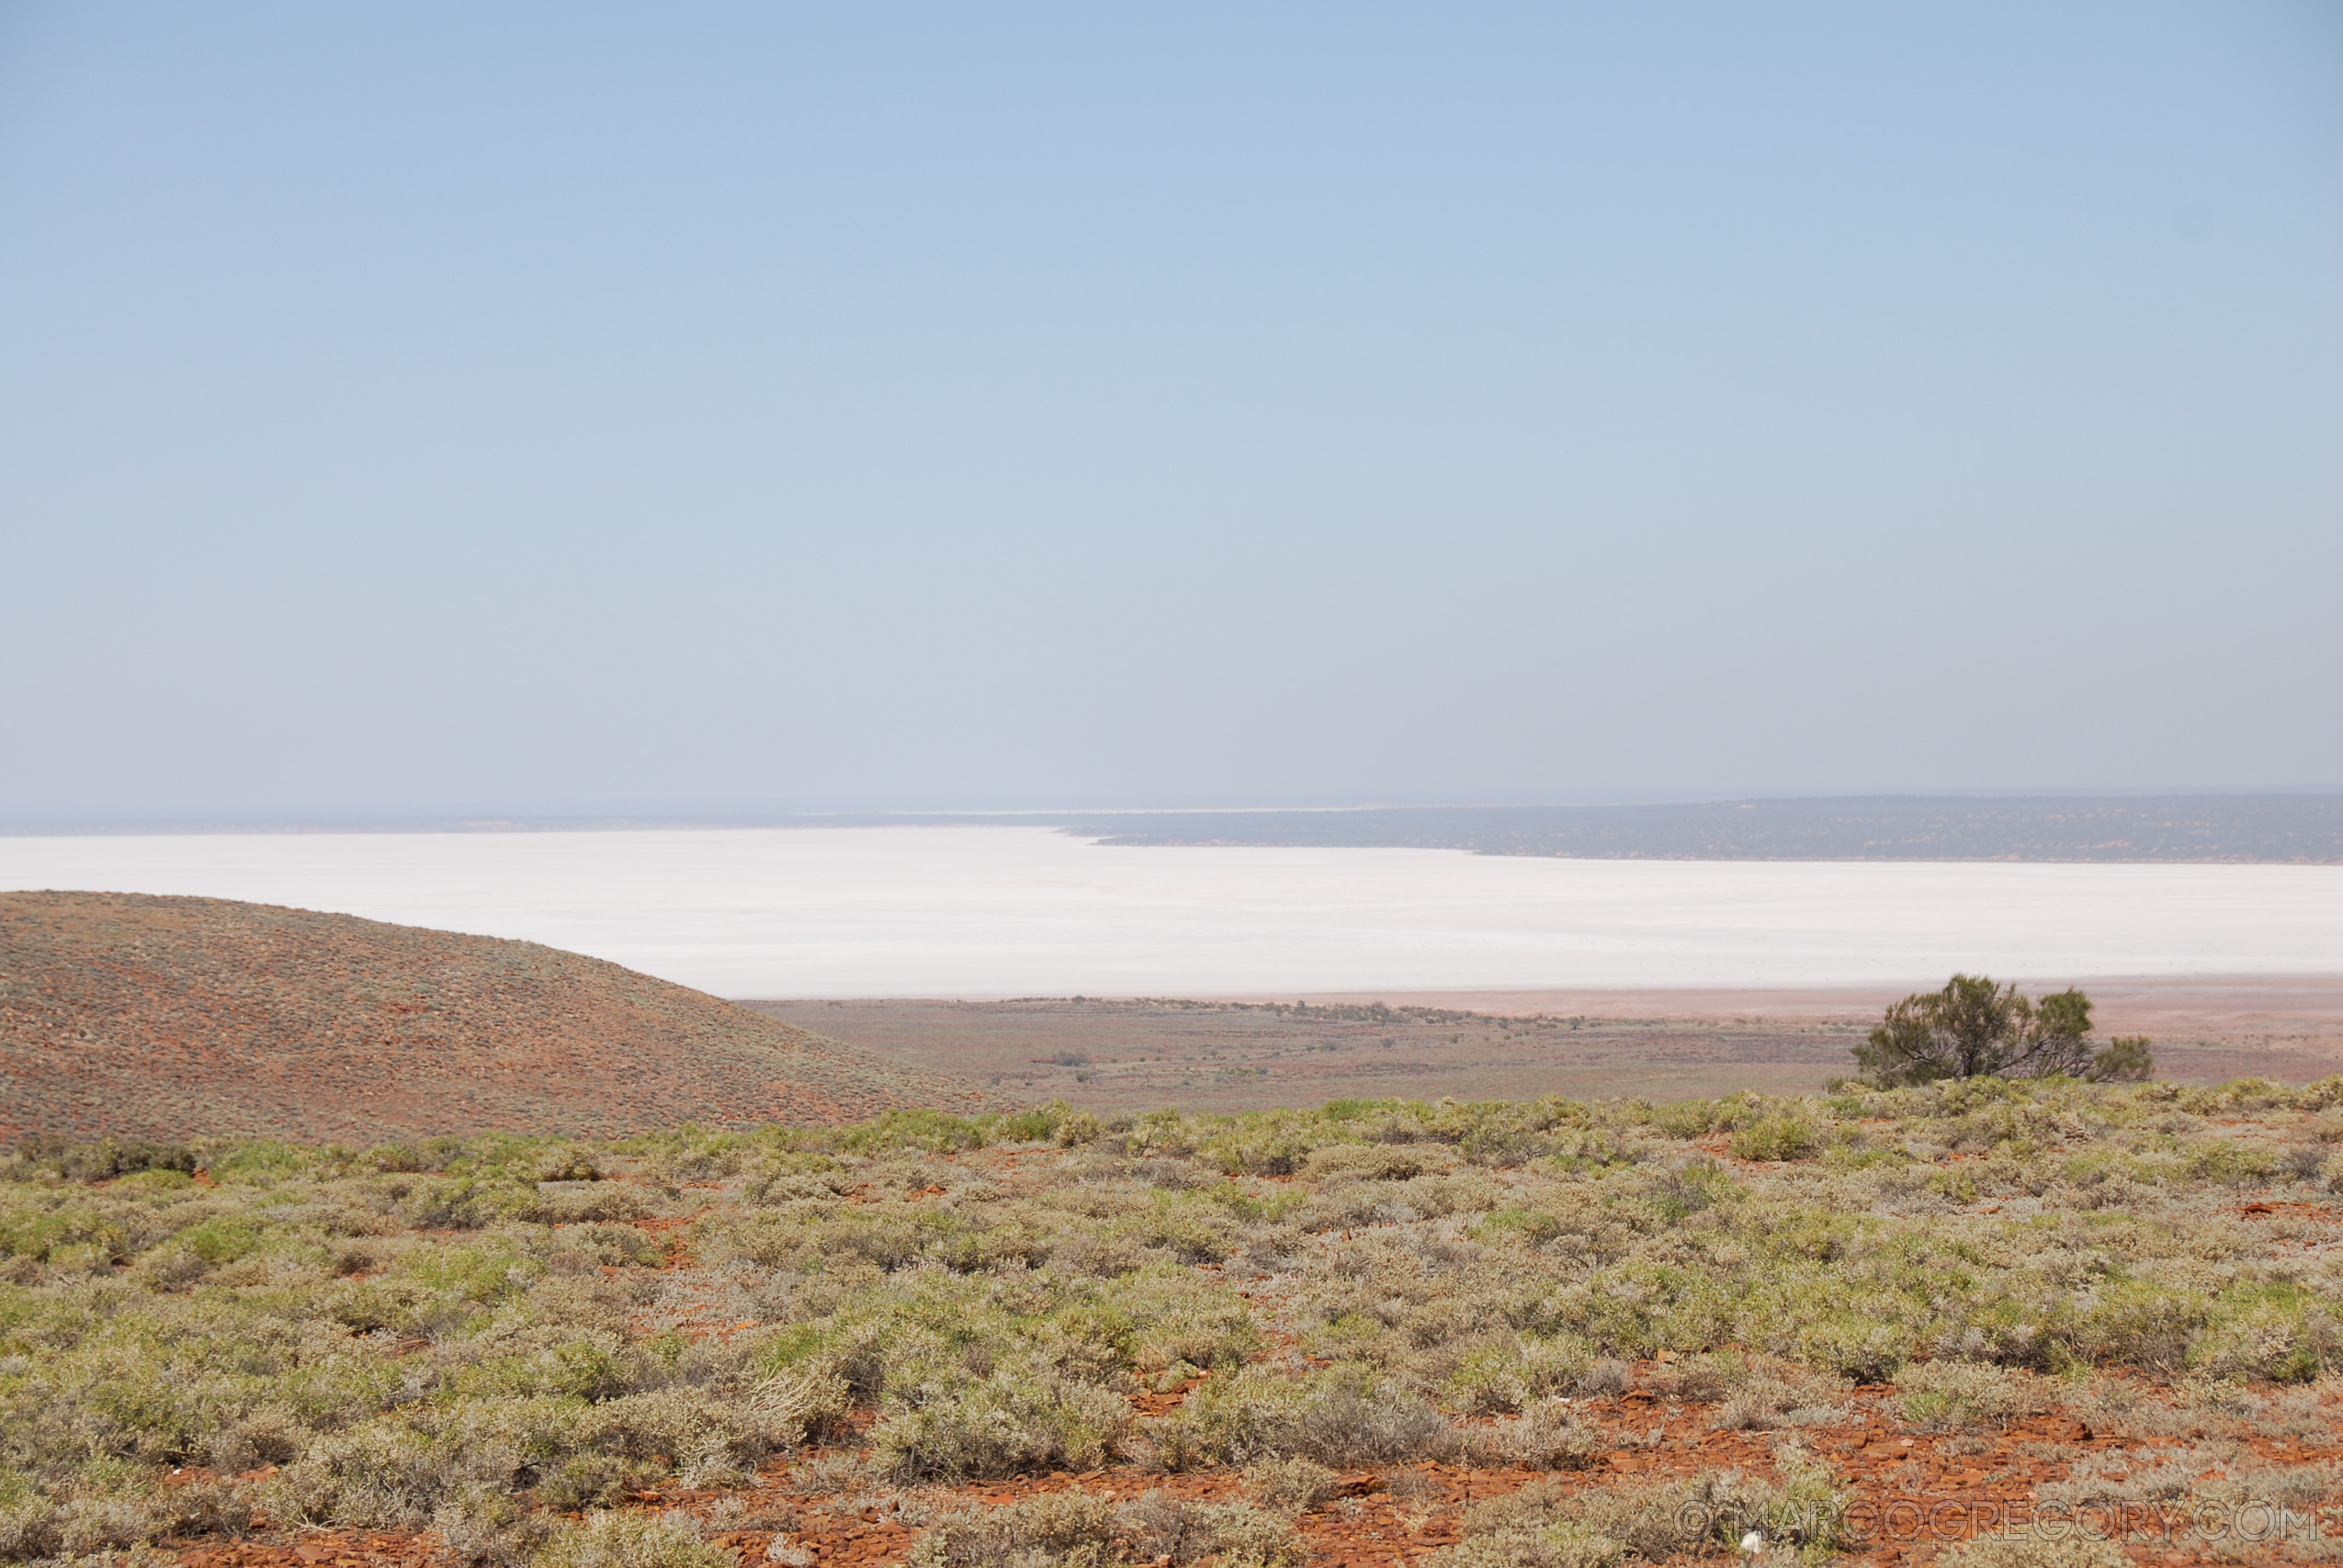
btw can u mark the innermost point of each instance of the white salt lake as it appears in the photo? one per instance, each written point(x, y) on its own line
point(999, 911)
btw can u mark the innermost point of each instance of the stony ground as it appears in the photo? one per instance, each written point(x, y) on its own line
point(177, 1018)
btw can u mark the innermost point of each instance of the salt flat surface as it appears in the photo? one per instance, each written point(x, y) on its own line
point(990, 911)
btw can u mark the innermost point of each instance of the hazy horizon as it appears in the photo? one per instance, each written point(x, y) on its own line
point(491, 814)
point(443, 410)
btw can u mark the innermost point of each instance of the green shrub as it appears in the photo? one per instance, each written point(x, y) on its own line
point(1852, 1345)
point(1232, 1535)
point(1534, 1226)
point(1295, 1484)
point(2279, 1331)
point(262, 1163)
point(29, 1522)
point(1777, 1138)
point(1344, 1417)
point(587, 1481)
point(632, 1540)
point(374, 1476)
point(222, 1240)
point(1528, 1529)
point(568, 1162)
point(1501, 1378)
point(479, 1273)
point(1686, 1119)
point(2035, 1549)
point(1071, 1529)
point(1055, 1528)
point(1952, 1394)
point(1690, 1187)
point(426, 1336)
point(427, 1154)
point(101, 1160)
point(1655, 1521)
point(1024, 1417)
point(934, 1131)
point(1546, 1436)
point(155, 1178)
point(42, 1231)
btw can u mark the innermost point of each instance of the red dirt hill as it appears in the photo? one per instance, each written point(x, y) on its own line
point(174, 1018)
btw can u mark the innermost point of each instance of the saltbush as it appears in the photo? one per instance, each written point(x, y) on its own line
point(471, 1336)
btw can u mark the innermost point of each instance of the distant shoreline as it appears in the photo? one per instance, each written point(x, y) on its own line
point(2208, 1007)
point(2157, 829)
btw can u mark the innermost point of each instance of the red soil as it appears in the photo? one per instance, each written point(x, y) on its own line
point(1913, 1491)
point(131, 1015)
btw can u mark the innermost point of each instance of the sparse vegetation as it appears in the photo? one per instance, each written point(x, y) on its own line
point(1652, 1521)
point(1147, 1052)
point(1659, 1329)
point(128, 1014)
point(1070, 1530)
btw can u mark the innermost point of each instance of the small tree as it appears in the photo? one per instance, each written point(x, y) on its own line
point(2127, 1059)
point(1974, 1028)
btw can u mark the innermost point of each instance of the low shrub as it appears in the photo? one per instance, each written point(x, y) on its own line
point(1343, 1418)
point(1528, 1530)
point(1233, 1535)
point(1073, 1529)
point(2279, 1331)
point(101, 1160)
point(1543, 1526)
point(1777, 1138)
point(1022, 1417)
point(473, 1336)
point(1500, 1379)
point(1057, 1530)
point(1947, 1395)
point(589, 1481)
point(1546, 1435)
point(1294, 1484)
point(2032, 1548)
point(631, 1540)
point(1605, 1374)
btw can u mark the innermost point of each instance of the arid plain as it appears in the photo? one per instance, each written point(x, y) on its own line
point(329, 1241)
point(1254, 1052)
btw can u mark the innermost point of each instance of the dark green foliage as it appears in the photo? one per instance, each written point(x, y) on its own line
point(100, 1161)
point(1973, 1028)
point(1777, 1137)
point(2127, 1059)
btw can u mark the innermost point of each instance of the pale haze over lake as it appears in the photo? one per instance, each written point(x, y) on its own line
point(991, 911)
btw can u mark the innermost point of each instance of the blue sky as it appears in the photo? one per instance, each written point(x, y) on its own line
point(436, 408)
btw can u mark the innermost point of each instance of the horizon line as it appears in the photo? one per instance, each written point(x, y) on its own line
point(641, 818)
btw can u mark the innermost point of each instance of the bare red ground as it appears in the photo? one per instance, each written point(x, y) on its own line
point(127, 1015)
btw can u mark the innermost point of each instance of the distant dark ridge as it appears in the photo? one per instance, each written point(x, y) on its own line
point(2285, 829)
point(2270, 828)
point(134, 1017)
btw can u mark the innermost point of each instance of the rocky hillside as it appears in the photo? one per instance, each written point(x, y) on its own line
point(131, 1016)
